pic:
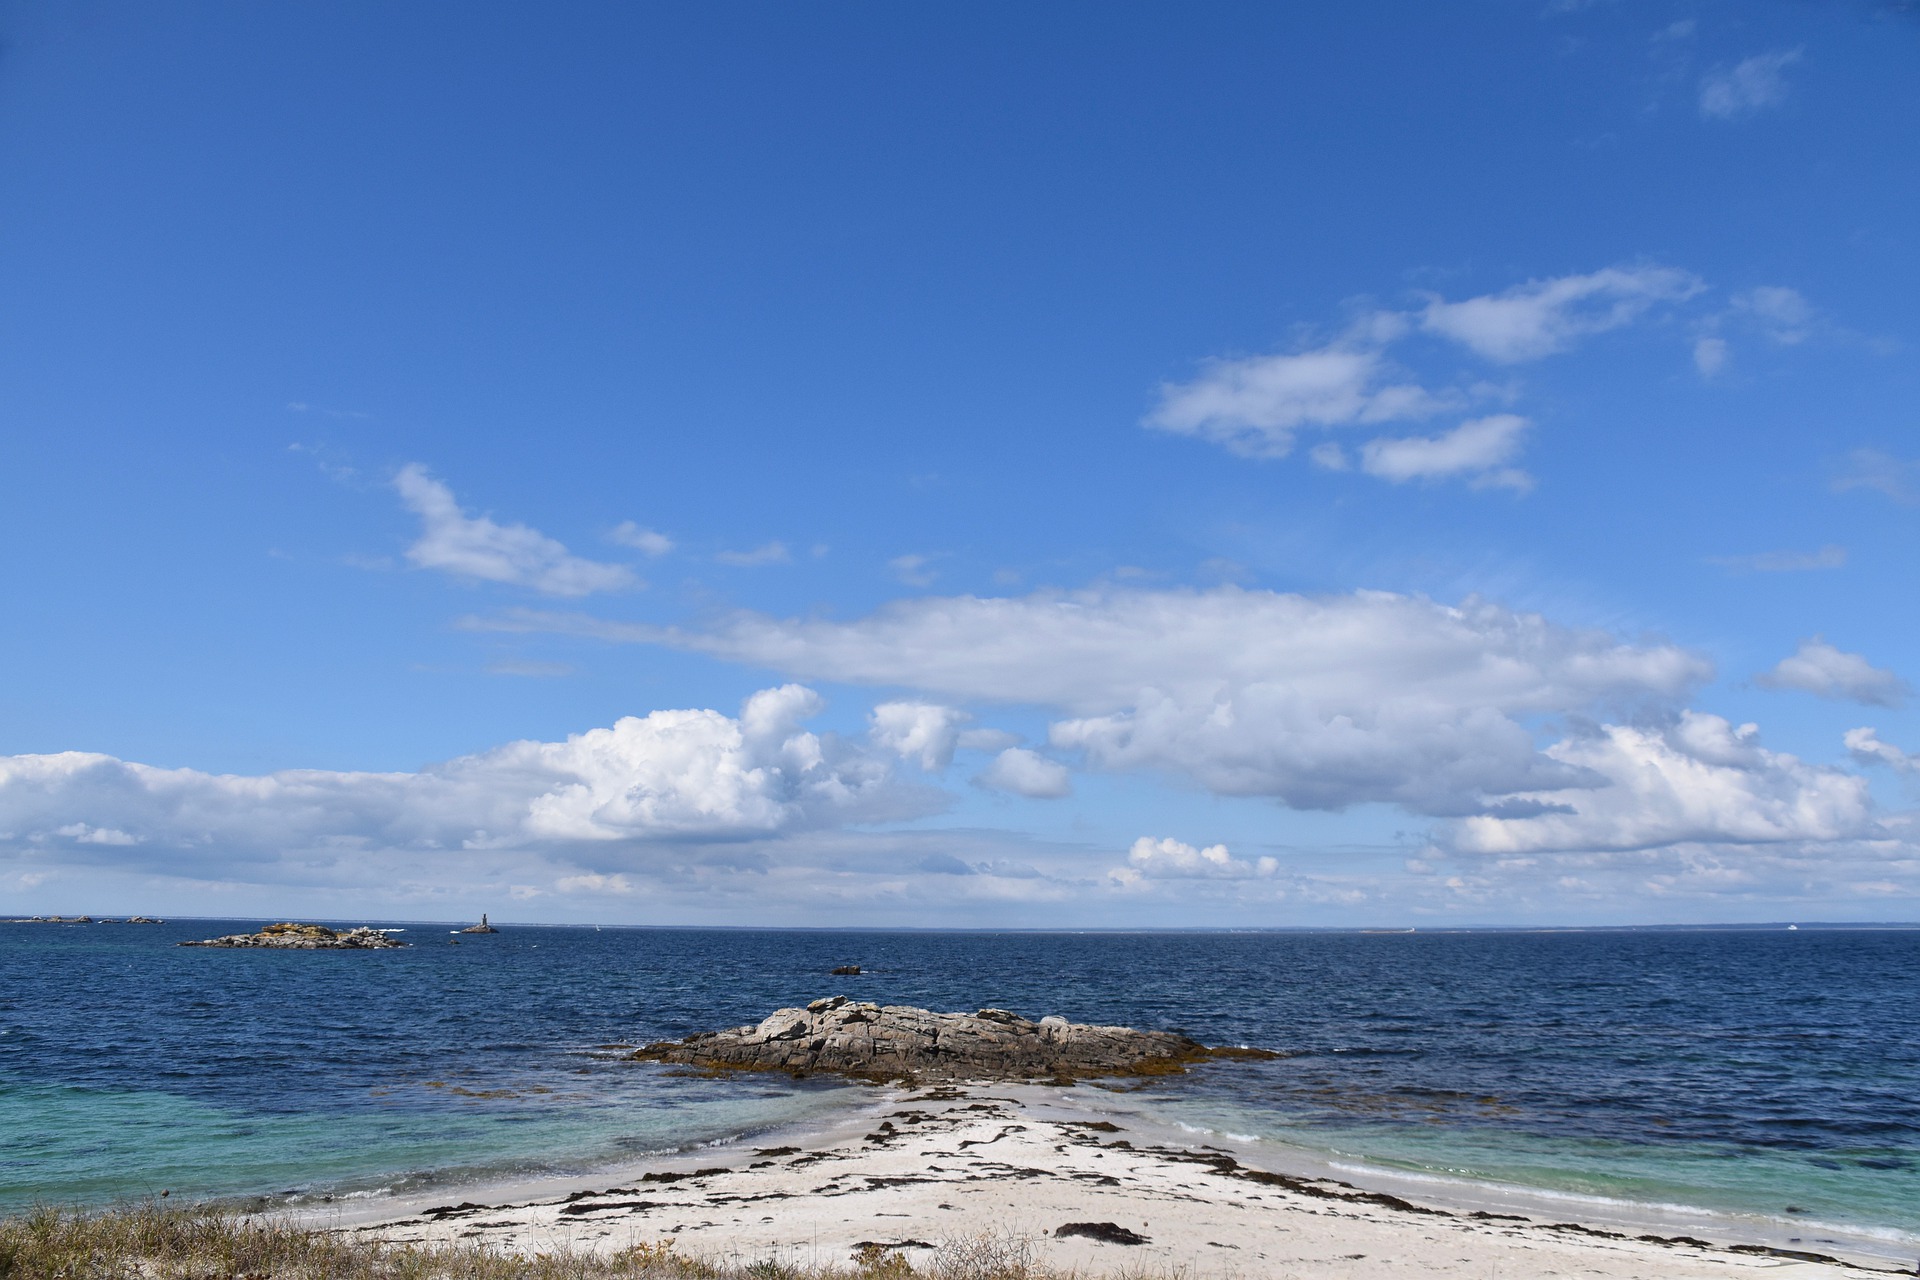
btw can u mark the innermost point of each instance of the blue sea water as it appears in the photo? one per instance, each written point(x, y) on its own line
point(1751, 1072)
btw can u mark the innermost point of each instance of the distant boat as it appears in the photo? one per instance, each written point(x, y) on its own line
point(1793, 928)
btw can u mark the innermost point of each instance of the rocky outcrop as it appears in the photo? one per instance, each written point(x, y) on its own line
point(305, 937)
point(898, 1041)
point(482, 927)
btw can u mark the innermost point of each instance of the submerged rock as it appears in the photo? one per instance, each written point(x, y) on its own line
point(898, 1041)
point(305, 937)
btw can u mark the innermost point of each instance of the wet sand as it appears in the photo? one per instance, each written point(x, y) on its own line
point(931, 1167)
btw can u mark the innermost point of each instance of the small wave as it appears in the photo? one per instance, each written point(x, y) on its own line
point(1626, 1207)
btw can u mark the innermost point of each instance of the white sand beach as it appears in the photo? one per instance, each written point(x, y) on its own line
point(933, 1167)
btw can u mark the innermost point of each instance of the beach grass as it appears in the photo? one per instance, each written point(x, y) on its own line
point(156, 1241)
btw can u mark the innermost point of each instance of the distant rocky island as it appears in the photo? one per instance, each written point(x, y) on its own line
point(305, 937)
point(870, 1041)
point(87, 920)
point(482, 927)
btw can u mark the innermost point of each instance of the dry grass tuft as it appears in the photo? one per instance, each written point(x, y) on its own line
point(154, 1242)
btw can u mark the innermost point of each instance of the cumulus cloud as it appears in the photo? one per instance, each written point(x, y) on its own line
point(1027, 773)
point(647, 541)
point(1751, 85)
point(1477, 449)
point(1866, 747)
point(476, 547)
point(1256, 406)
point(924, 732)
point(1699, 779)
point(1253, 406)
point(1170, 859)
point(1321, 702)
point(1542, 317)
point(669, 775)
point(1817, 667)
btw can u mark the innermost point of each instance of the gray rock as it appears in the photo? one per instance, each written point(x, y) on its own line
point(305, 937)
point(857, 1038)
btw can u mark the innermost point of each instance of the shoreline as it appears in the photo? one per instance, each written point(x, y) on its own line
point(905, 1169)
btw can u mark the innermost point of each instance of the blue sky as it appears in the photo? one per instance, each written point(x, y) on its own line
point(1217, 464)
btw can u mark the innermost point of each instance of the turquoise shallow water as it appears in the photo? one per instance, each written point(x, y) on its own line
point(1753, 1073)
point(68, 1145)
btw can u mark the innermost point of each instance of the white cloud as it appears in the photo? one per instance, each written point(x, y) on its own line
point(988, 739)
point(1752, 85)
point(1866, 747)
point(664, 776)
point(1710, 356)
point(1253, 406)
point(1827, 557)
point(595, 884)
point(1542, 317)
point(1321, 702)
point(1817, 667)
point(1330, 456)
point(476, 547)
point(765, 554)
point(84, 834)
point(529, 669)
point(1477, 449)
point(921, 731)
point(647, 541)
point(1170, 859)
point(1782, 314)
point(1027, 773)
point(1779, 314)
point(1897, 478)
point(913, 570)
point(1256, 406)
point(1697, 780)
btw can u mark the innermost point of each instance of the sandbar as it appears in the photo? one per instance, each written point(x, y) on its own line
point(927, 1167)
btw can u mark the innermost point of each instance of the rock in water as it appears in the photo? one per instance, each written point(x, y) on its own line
point(482, 927)
point(305, 937)
point(898, 1041)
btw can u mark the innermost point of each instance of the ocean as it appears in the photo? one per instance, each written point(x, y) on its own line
point(1765, 1074)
